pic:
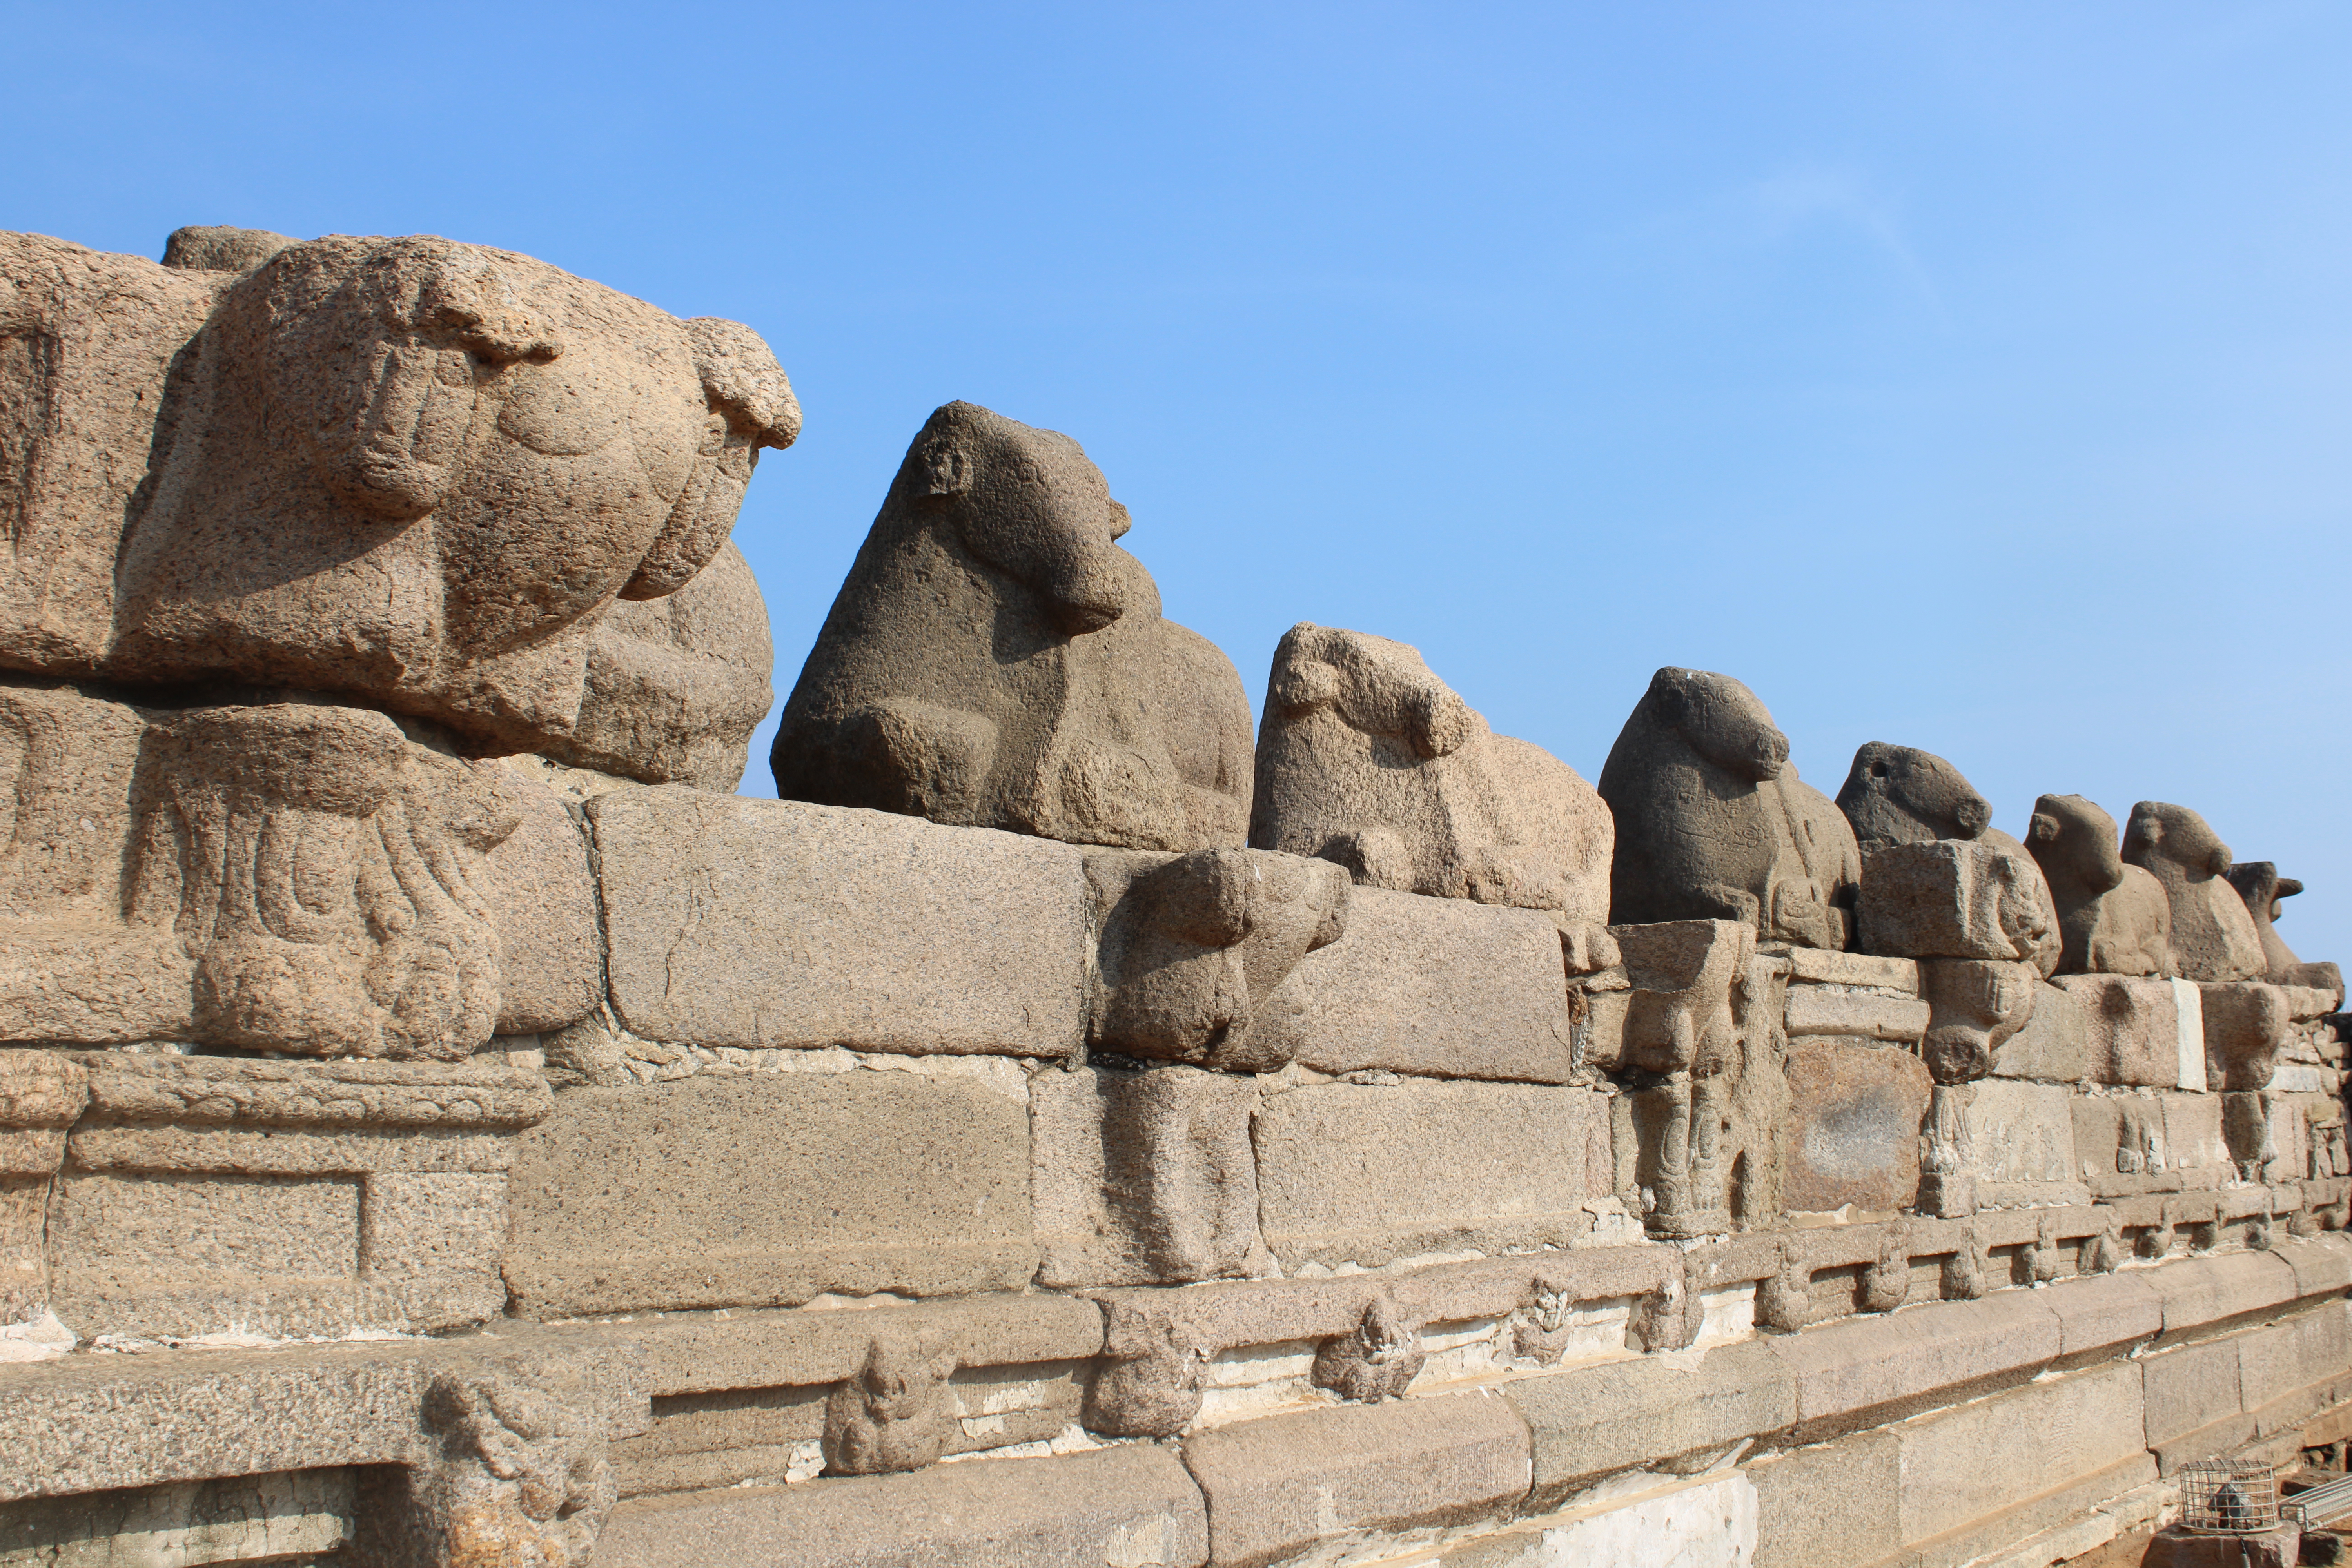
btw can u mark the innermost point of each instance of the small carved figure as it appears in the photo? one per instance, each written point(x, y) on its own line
point(892, 1415)
point(1154, 1394)
point(1886, 1283)
point(1369, 760)
point(1964, 1270)
point(1901, 794)
point(1784, 1298)
point(1704, 829)
point(2043, 1261)
point(1667, 1319)
point(1376, 1359)
point(2112, 918)
point(1541, 1332)
point(2213, 937)
point(519, 1479)
point(2260, 885)
point(995, 659)
point(2100, 1253)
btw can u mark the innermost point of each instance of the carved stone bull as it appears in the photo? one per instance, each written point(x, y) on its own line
point(1901, 794)
point(1369, 760)
point(2260, 885)
point(2112, 918)
point(2213, 937)
point(995, 659)
point(1706, 828)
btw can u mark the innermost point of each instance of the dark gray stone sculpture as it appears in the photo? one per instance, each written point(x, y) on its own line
point(1901, 794)
point(1713, 825)
point(995, 659)
point(2260, 885)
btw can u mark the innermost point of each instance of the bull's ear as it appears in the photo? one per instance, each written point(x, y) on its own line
point(945, 464)
point(2042, 829)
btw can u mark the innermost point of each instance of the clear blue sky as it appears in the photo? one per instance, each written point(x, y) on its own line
point(1975, 377)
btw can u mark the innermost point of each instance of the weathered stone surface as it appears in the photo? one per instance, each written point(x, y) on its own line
point(1276, 1486)
point(1369, 1172)
point(2085, 1425)
point(2189, 1386)
point(543, 899)
point(2020, 1133)
point(87, 344)
point(1437, 987)
point(1976, 1005)
point(675, 685)
point(2261, 888)
point(2245, 1023)
point(995, 659)
point(1868, 971)
point(2282, 1358)
point(245, 1092)
point(1865, 1371)
point(2212, 936)
point(1133, 1505)
point(2120, 1145)
point(1856, 1137)
point(566, 442)
point(1864, 1015)
point(1143, 1178)
point(1706, 1521)
point(1952, 898)
point(290, 1514)
point(2133, 1027)
point(91, 1424)
point(1196, 948)
point(759, 1191)
point(1833, 1506)
point(1630, 1414)
point(2197, 1292)
point(1708, 829)
point(1901, 794)
point(2099, 1311)
point(1369, 760)
point(699, 1352)
point(2055, 1046)
point(207, 1194)
point(2112, 918)
point(744, 923)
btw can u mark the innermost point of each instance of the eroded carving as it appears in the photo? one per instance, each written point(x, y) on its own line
point(1713, 825)
point(1194, 948)
point(2262, 888)
point(328, 881)
point(994, 658)
point(2212, 936)
point(1376, 1359)
point(2112, 918)
point(1683, 1039)
point(518, 1475)
point(1155, 1394)
point(891, 1416)
point(1371, 761)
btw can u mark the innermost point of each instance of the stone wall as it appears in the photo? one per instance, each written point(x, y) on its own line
point(438, 1127)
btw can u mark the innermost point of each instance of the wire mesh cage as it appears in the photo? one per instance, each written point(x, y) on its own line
point(2229, 1496)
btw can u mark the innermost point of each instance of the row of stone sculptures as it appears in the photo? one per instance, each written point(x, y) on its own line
point(996, 659)
point(304, 533)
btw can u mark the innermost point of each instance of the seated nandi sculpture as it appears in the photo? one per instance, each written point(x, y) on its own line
point(1369, 760)
point(995, 659)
